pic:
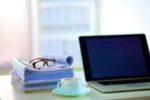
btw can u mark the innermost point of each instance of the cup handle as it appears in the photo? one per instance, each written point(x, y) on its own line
point(59, 84)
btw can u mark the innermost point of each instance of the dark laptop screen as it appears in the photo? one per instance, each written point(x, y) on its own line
point(115, 56)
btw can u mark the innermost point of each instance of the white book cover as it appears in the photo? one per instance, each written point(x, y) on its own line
point(24, 65)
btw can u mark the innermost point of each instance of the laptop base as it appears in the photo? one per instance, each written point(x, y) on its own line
point(119, 87)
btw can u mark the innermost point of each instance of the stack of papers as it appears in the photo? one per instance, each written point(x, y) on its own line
point(27, 78)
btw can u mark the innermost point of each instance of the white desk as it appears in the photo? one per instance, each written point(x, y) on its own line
point(9, 92)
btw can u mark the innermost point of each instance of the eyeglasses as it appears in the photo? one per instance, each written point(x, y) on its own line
point(39, 63)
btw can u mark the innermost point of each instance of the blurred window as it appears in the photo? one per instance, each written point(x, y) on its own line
point(61, 22)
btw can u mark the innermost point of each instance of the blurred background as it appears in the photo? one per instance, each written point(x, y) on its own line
point(33, 28)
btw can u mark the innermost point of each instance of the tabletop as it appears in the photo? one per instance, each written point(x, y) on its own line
point(10, 92)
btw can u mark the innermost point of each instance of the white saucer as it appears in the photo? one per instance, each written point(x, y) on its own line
point(65, 93)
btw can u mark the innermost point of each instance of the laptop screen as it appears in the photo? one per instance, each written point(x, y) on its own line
point(115, 56)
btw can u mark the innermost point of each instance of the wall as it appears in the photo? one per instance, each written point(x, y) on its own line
point(125, 16)
point(14, 30)
point(116, 16)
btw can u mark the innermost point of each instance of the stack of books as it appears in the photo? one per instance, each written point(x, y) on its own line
point(28, 78)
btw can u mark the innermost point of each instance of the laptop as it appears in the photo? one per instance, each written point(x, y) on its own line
point(114, 63)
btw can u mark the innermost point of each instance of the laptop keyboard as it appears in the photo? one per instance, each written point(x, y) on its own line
point(110, 83)
point(119, 82)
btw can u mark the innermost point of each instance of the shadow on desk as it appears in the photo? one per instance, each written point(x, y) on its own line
point(84, 97)
point(4, 71)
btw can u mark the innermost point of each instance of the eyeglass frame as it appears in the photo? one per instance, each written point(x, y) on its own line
point(45, 60)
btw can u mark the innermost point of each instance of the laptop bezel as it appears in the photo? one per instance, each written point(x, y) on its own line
point(86, 65)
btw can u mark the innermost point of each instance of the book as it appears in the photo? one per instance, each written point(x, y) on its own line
point(34, 87)
point(28, 78)
point(56, 75)
point(27, 73)
point(17, 78)
point(25, 66)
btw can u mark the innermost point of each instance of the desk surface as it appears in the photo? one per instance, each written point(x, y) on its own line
point(10, 92)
